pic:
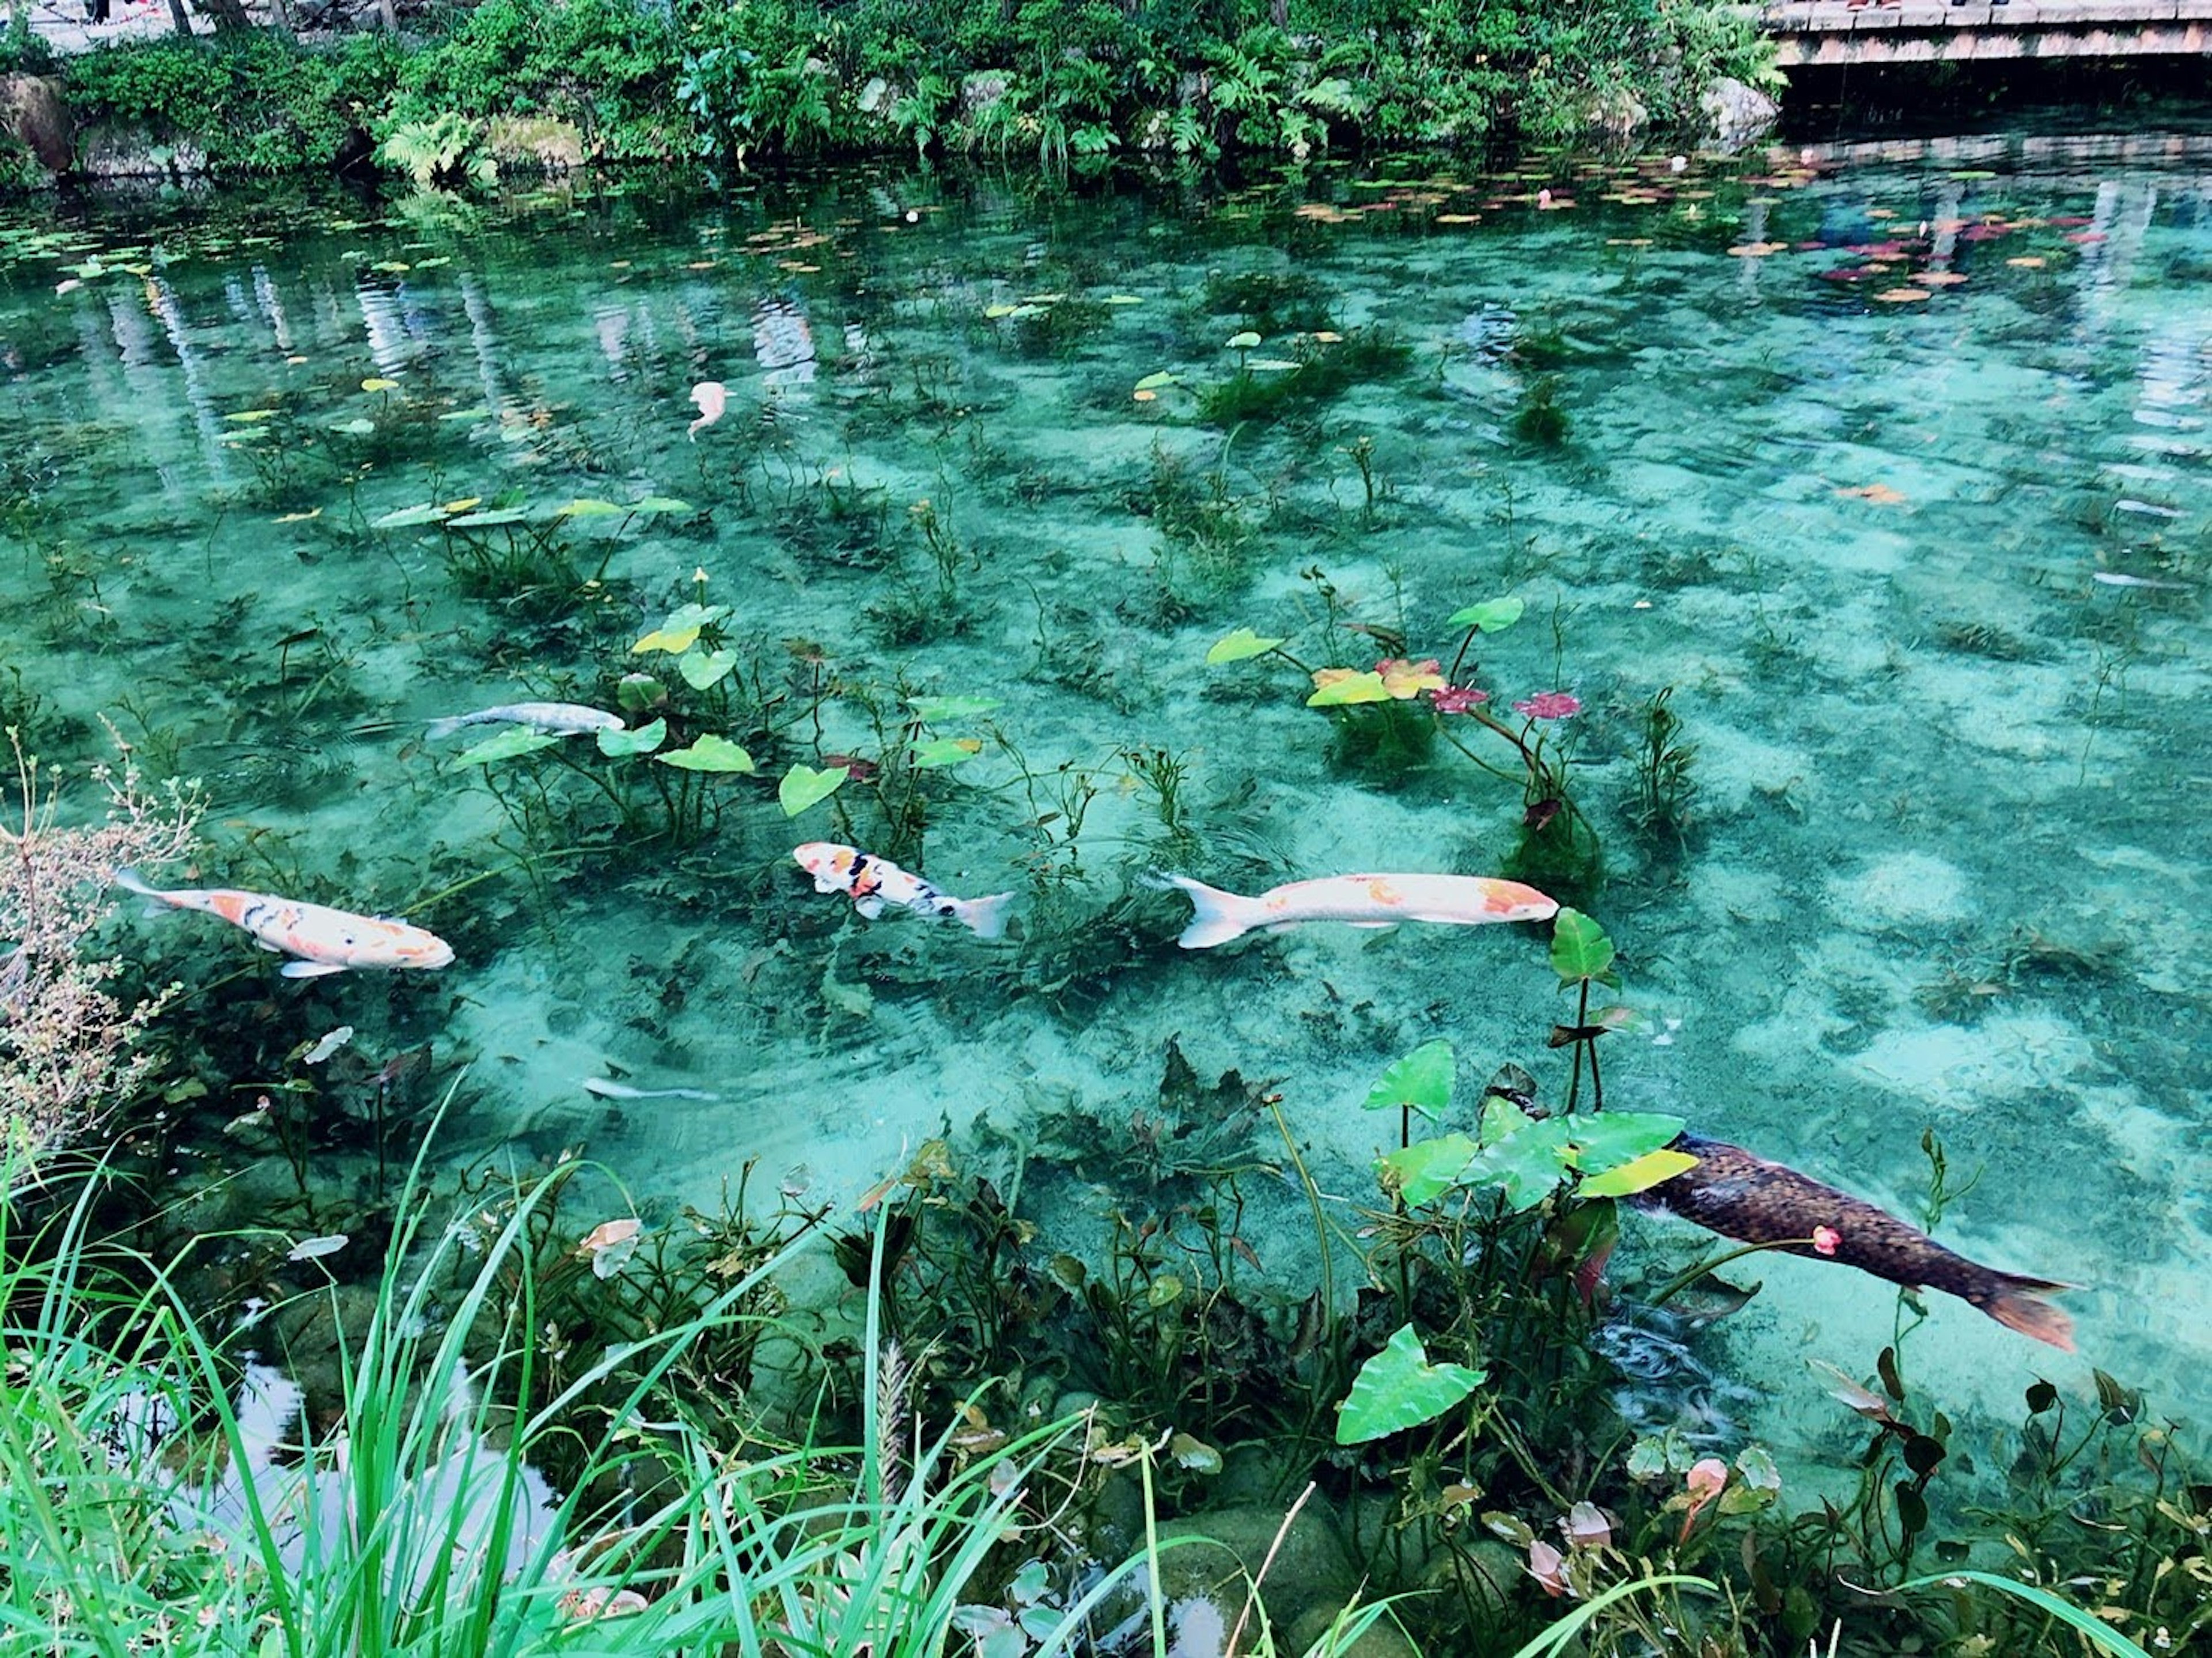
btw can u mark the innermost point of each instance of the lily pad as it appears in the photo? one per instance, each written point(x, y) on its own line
point(932, 709)
point(710, 753)
point(1491, 616)
point(1238, 646)
point(1350, 688)
point(587, 509)
point(945, 751)
point(497, 516)
point(702, 669)
point(252, 416)
point(408, 517)
point(804, 785)
point(358, 427)
point(1427, 1169)
point(1421, 1081)
point(1243, 342)
point(654, 505)
point(1155, 382)
point(379, 383)
point(681, 629)
point(1399, 1389)
point(514, 741)
point(1639, 1175)
point(644, 740)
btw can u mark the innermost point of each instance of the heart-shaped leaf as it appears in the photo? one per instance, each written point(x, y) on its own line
point(1580, 950)
point(716, 754)
point(1399, 1389)
point(704, 669)
point(945, 751)
point(1346, 688)
point(681, 629)
point(1637, 1174)
point(1527, 1164)
point(644, 740)
point(1608, 1139)
point(1155, 382)
point(804, 785)
point(931, 709)
point(1243, 342)
point(1422, 1080)
point(514, 740)
point(1492, 616)
point(1427, 1169)
point(654, 505)
point(586, 509)
point(637, 692)
point(1239, 646)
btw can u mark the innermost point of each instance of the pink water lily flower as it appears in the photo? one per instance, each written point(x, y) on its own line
point(1546, 1565)
point(1457, 699)
point(1827, 1240)
point(1550, 705)
point(1705, 1480)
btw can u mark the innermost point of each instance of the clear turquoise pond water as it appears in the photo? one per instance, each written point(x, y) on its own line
point(1895, 471)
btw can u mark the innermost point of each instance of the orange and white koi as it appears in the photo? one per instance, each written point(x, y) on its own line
point(876, 881)
point(324, 940)
point(712, 398)
point(1360, 901)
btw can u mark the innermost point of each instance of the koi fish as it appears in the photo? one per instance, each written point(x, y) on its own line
point(1742, 1196)
point(876, 881)
point(554, 718)
point(2122, 579)
point(326, 940)
point(712, 398)
point(1361, 900)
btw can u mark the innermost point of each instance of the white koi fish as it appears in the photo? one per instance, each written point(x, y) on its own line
point(1360, 899)
point(2122, 579)
point(607, 1089)
point(326, 940)
point(712, 397)
point(554, 718)
point(875, 882)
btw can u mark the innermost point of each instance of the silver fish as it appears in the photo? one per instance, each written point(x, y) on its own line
point(554, 718)
point(606, 1089)
point(2121, 579)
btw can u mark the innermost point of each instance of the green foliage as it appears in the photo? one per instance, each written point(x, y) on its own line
point(1034, 80)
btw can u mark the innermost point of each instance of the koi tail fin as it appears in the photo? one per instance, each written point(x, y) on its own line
point(2018, 1304)
point(1217, 916)
point(438, 728)
point(987, 916)
point(130, 881)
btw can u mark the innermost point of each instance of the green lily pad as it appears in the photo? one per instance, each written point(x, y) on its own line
point(1157, 381)
point(1238, 646)
point(1353, 688)
point(932, 709)
point(408, 517)
point(681, 630)
point(715, 754)
point(644, 740)
point(486, 520)
point(1639, 1175)
point(1422, 1080)
point(587, 509)
point(1272, 364)
point(357, 426)
point(1243, 342)
point(804, 785)
point(1427, 1169)
point(252, 416)
point(702, 669)
point(1492, 616)
point(514, 740)
point(1399, 1389)
point(945, 751)
point(654, 505)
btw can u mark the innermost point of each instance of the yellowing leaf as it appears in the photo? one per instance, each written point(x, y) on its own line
point(1337, 688)
point(378, 383)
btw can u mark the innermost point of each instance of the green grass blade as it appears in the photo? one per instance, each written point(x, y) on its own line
point(2092, 1629)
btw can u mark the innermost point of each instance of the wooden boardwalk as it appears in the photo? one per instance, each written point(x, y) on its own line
point(1825, 32)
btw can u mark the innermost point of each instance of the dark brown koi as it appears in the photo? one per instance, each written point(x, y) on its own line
point(1742, 1196)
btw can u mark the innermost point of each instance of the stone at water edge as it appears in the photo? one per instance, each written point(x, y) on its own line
point(1736, 113)
point(31, 107)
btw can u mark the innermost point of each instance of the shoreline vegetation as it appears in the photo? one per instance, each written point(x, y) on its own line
point(461, 95)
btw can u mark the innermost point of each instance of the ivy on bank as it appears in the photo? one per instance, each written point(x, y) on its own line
point(748, 81)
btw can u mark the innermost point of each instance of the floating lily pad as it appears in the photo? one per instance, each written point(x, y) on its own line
point(252, 416)
point(931, 709)
point(1243, 342)
point(586, 508)
point(681, 630)
point(408, 517)
point(654, 505)
point(644, 740)
point(945, 751)
point(379, 383)
point(356, 428)
point(1156, 381)
point(1352, 688)
point(497, 516)
point(514, 740)
point(715, 754)
point(804, 785)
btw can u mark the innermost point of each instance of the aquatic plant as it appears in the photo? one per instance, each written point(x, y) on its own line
point(1665, 781)
point(69, 1045)
point(1539, 419)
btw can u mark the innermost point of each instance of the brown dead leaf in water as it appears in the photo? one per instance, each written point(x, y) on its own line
point(1939, 279)
point(1901, 295)
point(2029, 262)
point(1880, 494)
